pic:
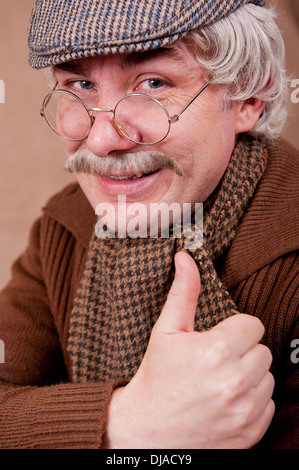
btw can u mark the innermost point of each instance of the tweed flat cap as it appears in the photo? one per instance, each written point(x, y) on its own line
point(64, 30)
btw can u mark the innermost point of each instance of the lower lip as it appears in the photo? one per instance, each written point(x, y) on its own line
point(128, 186)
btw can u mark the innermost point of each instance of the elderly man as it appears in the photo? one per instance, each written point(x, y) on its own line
point(117, 335)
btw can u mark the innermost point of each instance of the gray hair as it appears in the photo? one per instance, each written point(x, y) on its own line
point(245, 51)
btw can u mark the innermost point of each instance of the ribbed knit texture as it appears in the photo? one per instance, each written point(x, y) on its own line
point(39, 409)
point(42, 409)
point(52, 417)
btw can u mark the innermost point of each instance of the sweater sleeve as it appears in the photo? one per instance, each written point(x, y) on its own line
point(272, 294)
point(39, 407)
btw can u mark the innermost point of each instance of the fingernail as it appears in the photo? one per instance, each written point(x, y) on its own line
point(178, 268)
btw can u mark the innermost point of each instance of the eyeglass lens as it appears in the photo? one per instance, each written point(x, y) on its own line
point(138, 117)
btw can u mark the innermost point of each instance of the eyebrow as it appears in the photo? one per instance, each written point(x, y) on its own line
point(136, 58)
point(75, 67)
point(79, 67)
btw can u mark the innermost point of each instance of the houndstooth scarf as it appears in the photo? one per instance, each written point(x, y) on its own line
point(126, 280)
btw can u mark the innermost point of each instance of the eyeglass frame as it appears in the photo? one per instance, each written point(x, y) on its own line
point(171, 120)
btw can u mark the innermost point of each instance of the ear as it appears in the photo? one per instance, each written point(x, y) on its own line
point(248, 113)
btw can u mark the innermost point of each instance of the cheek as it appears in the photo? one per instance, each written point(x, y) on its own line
point(220, 132)
point(204, 154)
point(70, 147)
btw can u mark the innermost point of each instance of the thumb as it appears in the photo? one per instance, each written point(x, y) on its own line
point(179, 309)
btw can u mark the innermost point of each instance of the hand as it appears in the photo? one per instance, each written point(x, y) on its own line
point(192, 389)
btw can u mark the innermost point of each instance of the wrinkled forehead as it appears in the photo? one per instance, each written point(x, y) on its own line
point(61, 31)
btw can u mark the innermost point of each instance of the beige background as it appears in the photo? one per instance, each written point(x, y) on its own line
point(31, 157)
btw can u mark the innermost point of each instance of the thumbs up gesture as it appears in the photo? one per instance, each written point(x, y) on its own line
point(193, 389)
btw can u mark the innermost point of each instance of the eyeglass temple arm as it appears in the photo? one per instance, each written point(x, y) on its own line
point(46, 102)
point(175, 118)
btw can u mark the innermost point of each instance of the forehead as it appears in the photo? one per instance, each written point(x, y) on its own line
point(177, 55)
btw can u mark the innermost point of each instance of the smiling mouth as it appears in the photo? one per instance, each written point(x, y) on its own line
point(131, 177)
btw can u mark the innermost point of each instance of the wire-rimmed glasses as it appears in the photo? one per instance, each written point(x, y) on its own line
point(139, 117)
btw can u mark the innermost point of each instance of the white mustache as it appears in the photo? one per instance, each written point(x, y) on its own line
point(138, 163)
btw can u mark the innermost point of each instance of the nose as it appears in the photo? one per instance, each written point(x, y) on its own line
point(104, 137)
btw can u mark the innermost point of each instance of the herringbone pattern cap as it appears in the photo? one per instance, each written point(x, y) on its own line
point(63, 30)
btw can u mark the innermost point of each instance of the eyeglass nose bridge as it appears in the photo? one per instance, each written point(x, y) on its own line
point(102, 110)
point(119, 129)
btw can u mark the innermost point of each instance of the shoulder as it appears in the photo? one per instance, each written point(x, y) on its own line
point(270, 226)
point(282, 172)
point(278, 189)
point(71, 209)
point(273, 212)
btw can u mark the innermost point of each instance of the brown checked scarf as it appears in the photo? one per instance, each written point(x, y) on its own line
point(126, 280)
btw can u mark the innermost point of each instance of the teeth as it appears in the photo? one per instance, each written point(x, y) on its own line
point(135, 177)
point(120, 178)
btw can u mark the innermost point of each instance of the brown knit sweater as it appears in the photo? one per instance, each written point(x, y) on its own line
point(40, 408)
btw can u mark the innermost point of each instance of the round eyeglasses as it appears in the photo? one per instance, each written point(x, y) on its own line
point(138, 117)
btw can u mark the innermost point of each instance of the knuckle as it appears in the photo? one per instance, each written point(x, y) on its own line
point(252, 428)
point(216, 353)
point(254, 434)
point(266, 354)
point(248, 414)
point(236, 385)
point(251, 322)
point(242, 419)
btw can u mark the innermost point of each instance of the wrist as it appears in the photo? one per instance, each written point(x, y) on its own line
point(118, 433)
point(113, 421)
point(128, 423)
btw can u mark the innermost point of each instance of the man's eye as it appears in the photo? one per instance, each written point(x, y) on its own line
point(155, 83)
point(82, 85)
point(152, 84)
point(77, 86)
